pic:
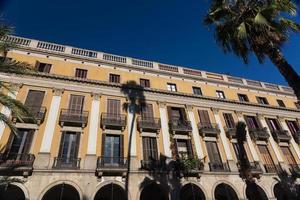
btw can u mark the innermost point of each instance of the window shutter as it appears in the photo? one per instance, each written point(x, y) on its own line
point(28, 141)
point(113, 106)
point(169, 109)
point(204, 116)
point(61, 144)
point(103, 144)
point(76, 103)
point(147, 111)
point(47, 68)
point(183, 114)
point(76, 152)
point(122, 146)
point(34, 98)
point(154, 148)
point(10, 141)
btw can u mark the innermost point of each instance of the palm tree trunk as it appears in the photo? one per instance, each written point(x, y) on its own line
point(286, 70)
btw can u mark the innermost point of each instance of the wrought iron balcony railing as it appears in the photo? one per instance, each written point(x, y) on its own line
point(111, 166)
point(281, 136)
point(259, 134)
point(178, 125)
point(73, 117)
point(66, 163)
point(255, 168)
point(219, 167)
point(37, 115)
point(272, 168)
point(209, 129)
point(113, 121)
point(148, 124)
point(295, 168)
point(153, 165)
point(296, 136)
point(230, 132)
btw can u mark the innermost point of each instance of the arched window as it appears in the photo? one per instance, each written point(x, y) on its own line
point(254, 192)
point(111, 192)
point(62, 192)
point(225, 192)
point(11, 192)
point(191, 192)
point(153, 192)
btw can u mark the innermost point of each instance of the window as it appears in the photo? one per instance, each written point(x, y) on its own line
point(213, 153)
point(114, 78)
point(184, 147)
point(113, 107)
point(297, 105)
point(273, 124)
point(147, 111)
point(76, 103)
point(177, 115)
point(145, 82)
point(280, 103)
point(220, 94)
point(266, 159)
point(43, 67)
point(112, 150)
point(69, 146)
point(20, 145)
point(252, 122)
point(229, 121)
point(243, 97)
point(293, 127)
point(34, 100)
point(171, 87)
point(204, 117)
point(150, 148)
point(197, 90)
point(80, 73)
point(262, 100)
point(288, 156)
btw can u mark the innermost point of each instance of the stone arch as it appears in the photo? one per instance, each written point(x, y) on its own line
point(14, 191)
point(153, 190)
point(102, 184)
point(111, 190)
point(70, 184)
point(255, 192)
point(190, 191)
point(225, 191)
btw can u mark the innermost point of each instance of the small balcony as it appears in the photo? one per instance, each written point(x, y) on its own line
point(208, 129)
point(153, 165)
point(271, 168)
point(295, 168)
point(66, 163)
point(255, 168)
point(219, 167)
point(112, 166)
point(230, 132)
point(180, 126)
point(112, 121)
point(38, 116)
point(281, 136)
point(259, 134)
point(148, 124)
point(296, 136)
point(16, 164)
point(73, 118)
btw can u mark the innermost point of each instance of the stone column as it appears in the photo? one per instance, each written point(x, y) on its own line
point(195, 132)
point(43, 158)
point(229, 157)
point(249, 141)
point(5, 110)
point(91, 158)
point(165, 128)
point(292, 142)
point(274, 145)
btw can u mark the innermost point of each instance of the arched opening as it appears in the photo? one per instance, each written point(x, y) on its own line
point(254, 192)
point(153, 191)
point(11, 192)
point(225, 192)
point(111, 192)
point(62, 192)
point(191, 192)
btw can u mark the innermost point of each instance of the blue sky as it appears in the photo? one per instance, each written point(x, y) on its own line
point(167, 31)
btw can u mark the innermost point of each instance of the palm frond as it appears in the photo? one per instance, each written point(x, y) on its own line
point(4, 119)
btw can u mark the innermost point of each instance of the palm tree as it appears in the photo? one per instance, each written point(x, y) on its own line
point(12, 67)
point(256, 26)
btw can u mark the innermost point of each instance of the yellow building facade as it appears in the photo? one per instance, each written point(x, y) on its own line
point(114, 127)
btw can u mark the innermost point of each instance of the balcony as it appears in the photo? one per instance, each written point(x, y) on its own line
point(112, 121)
point(180, 126)
point(38, 116)
point(230, 132)
point(295, 168)
point(281, 136)
point(219, 167)
point(148, 124)
point(66, 163)
point(271, 168)
point(296, 136)
point(16, 164)
point(73, 118)
point(208, 129)
point(111, 166)
point(153, 165)
point(259, 134)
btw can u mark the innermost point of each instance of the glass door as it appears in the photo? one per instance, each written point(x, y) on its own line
point(112, 150)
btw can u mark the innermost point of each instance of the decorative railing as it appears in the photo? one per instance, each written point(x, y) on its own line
point(13, 161)
point(153, 165)
point(109, 120)
point(296, 136)
point(66, 163)
point(271, 168)
point(37, 115)
point(73, 117)
point(148, 123)
point(143, 63)
point(230, 132)
point(178, 125)
point(111, 162)
point(259, 134)
point(281, 136)
point(209, 129)
point(219, 167)
point(295, 168)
